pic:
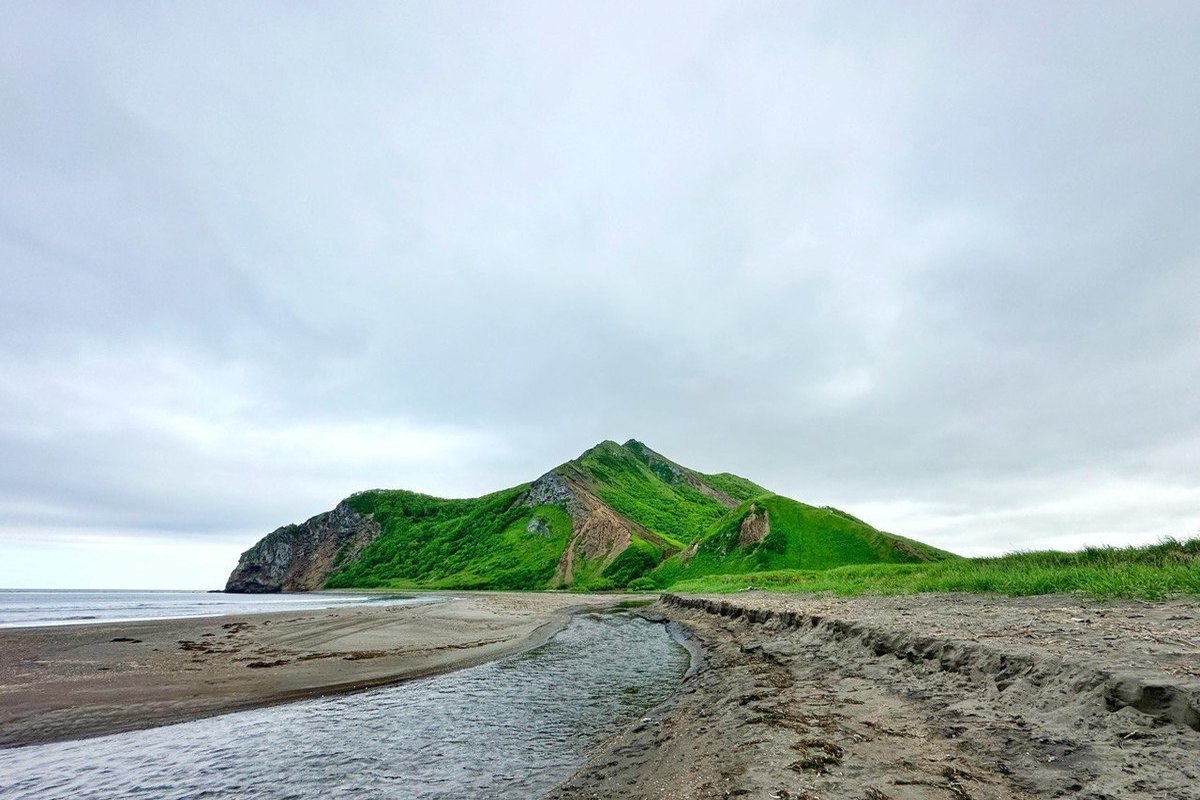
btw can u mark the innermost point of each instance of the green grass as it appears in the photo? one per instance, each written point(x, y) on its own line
point(801, 537)
point(633, 562)
point(676, 511)
point(481, 543)
point(628, 604)
point(1151, 573)
point(735, 486)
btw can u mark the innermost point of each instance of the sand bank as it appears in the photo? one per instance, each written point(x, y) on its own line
point(71, 682)
point(944, 697)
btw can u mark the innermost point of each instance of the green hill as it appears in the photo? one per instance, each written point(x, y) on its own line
point(618, 515)
point(773, 532)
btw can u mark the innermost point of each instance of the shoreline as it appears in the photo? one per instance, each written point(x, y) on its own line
point(927, 696)
point(306, 601)
point(67, 682)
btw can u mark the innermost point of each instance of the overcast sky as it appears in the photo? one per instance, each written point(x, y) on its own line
point(936, 264)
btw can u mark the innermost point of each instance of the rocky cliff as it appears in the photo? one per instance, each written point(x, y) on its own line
point(299, 558)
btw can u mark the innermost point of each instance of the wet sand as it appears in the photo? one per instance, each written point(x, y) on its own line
point(71, 682)
point(933, 697)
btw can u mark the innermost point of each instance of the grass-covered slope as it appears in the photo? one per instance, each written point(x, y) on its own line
point(1150, 573)
point(485, 542)
point(772, 532)
point(672, 501)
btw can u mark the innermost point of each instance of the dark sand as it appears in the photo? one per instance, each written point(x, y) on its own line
point(934, 697)
point(86, 680)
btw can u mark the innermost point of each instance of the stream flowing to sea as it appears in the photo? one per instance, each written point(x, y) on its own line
point(510, 730)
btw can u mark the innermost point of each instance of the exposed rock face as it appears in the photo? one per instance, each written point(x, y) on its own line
point(550, 489)
point(299, 558)
point(687, 555)
point(538, 526)
point(601, 532)
point(755, 527)
point(597, 531)
point(601, 536)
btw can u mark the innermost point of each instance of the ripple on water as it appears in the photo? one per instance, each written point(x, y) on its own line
point(507, 729)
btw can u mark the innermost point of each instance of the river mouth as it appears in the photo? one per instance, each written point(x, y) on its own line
point(512, 728)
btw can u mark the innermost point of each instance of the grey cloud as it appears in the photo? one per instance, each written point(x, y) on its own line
point(860, 254)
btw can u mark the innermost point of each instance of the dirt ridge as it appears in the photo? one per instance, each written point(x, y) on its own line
point(1156, 695)
point(929, 697)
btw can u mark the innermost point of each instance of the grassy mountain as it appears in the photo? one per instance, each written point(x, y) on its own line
point(618, 515)
point(603, 519)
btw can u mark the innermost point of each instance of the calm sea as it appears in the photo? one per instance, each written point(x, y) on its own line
point(23, 608)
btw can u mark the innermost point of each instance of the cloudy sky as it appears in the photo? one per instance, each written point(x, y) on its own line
point(936, 264)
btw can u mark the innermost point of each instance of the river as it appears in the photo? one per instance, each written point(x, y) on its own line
point(512, 728)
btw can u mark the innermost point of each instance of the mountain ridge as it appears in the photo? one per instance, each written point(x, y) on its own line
point(616, 515)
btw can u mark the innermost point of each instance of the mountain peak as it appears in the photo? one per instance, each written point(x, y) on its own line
point(631, 447)
point(608, 445)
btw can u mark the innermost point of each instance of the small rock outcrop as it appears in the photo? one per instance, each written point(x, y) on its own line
point(538, 526)
point(755, 527)
point(689, 553)
point(299, 558)
point(551, 489)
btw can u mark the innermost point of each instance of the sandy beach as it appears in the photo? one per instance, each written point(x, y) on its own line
point(792, 697)
point(950, 697)
point(71, 682)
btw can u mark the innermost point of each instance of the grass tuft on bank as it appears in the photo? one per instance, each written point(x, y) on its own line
point(1154, 572)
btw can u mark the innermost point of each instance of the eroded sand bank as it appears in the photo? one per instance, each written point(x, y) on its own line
point(931, 697)
point(70, 682)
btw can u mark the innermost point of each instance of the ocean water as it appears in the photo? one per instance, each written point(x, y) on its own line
point(506, 730)
point(22, 608)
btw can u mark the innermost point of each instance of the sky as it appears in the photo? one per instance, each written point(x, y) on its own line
point(937, 264)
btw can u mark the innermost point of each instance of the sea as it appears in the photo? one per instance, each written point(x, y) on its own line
point(25, 608)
